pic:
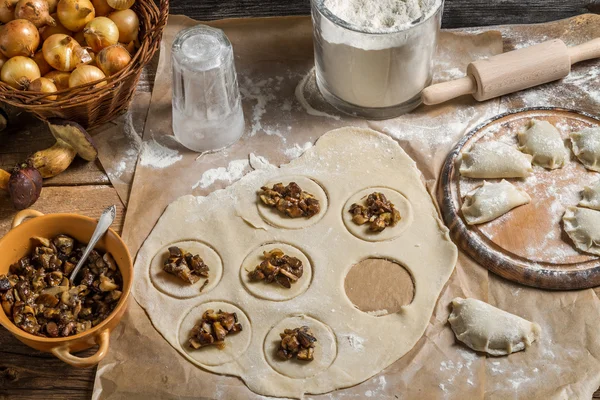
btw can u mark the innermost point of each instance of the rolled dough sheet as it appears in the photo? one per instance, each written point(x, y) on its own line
point(343, 162)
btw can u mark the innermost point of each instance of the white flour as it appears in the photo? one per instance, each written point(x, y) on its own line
point(376, 16)
point(234, 171)
point(304, 85)
point(297, 150)
point(155, 155)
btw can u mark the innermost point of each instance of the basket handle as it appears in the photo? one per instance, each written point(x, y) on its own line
point(63, 353)
point(23, 215)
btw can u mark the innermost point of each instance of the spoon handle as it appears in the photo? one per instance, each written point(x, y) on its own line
point(105, 221)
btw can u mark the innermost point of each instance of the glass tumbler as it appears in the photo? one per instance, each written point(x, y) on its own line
point(207, 108)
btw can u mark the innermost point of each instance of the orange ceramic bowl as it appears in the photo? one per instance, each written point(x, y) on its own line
point(17, 244)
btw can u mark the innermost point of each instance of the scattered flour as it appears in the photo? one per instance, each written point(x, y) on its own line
point(297, 150)
point(155, 155)
point(263, 92)
point(234, 171)
point(378, 313)
point(259, 162)
point(302, 99)
point(356, 342)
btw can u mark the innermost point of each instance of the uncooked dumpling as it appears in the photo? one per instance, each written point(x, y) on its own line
point(590, 197)
point(485, 328)
point(491, 201)
point(586, 146)
point(542, 140)
point(494, 160)
point(583, 227)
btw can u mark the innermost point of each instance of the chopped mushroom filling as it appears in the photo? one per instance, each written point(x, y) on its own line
point(39, 298)
point(290, 200)
point(212, 329)
point(299, 343)
point(187, 267)
point(379, 212)
point(278, 267)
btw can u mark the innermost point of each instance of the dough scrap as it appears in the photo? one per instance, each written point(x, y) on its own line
point(586, 147)
point(583, 227)
point(492, 200)
point(218, 220)
point(490, 160)
point(590, 196)
point(543, 141)
point(485, 328)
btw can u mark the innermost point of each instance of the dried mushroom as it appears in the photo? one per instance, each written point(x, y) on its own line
point(290, 200)
point(213, 328)
point(277, 267)
point(299, 343)
point(39, 298)
point(379, 212)
point(189, 268)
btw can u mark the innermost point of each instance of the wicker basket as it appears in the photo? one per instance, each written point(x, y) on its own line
point(89, 105)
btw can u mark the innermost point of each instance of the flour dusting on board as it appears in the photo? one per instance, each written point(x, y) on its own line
point(155, 155)
point(297, 150)
point(234, 171)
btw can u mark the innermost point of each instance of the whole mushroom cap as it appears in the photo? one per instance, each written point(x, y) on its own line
point(75, 136)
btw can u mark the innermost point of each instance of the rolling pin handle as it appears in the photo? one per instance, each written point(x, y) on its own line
point(442, 92)
point(585, 51)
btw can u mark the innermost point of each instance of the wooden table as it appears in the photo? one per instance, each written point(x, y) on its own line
point(85, 187)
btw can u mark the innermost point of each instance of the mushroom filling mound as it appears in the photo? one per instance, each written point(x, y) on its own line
point(277, 267)
point(379, 212)
point(290, 200)
point(39, 298)
point(212, 329)
point(185, 266)
point(299, 343)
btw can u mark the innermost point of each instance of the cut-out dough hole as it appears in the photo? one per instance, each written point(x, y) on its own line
point(379, 287)
point(273, 217)
point(173, 286)
point(362, 231)
point(235, 343)
point(274, 291)
point(325, 349)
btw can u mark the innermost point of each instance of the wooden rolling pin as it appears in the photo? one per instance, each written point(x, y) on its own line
point(514, 71)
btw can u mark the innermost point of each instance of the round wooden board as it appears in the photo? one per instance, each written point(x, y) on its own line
point(528, 244)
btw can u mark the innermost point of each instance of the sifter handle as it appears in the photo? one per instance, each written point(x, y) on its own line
point(442, 92)
point(585, 51)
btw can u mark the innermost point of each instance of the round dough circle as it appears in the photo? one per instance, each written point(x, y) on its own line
point(389, 233)
point(274, 291)
point(325, 349)
point(173, 286)
point(235, 343)
point(273, 217)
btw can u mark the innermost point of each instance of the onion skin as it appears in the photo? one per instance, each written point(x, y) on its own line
point(59, 78)
point(41, 63)
point(19, 72)
point(35, 11)
point(101, 32)
point(2, 60)
point(113, 59)
point(43, 85)
point(7, 10)
point(19, 37)
point(85, 74)
point(102, 8)
point(47, 31)
point(24, 186)
point(120, 4)
point(52, 6)
point(75, 14)
point(63, 53)
point(128, 24)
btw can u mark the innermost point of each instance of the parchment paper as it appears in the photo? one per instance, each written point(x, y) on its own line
point(272, 56)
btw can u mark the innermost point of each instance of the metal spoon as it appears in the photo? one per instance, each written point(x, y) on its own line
point(105, 221)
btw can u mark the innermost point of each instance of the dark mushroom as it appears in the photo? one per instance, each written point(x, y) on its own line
point(24, 185)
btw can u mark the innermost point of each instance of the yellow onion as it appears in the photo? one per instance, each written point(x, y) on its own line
point(19, 37)
point(128, 24)
point(19, 72)
point(42, 63)
point(59, 78)
point(80, 37)
point(7, 10)
point(101, 32)
point(85, 74)
point(74, 14)
point(35, 11)
point(47, 31)
point(43, 85)
point(120, 4)
point(2, 60)
point(102, 8)
point(52, 6)
point(113, 59)
point(63, 52)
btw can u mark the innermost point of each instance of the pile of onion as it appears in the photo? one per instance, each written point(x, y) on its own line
point(52, 45)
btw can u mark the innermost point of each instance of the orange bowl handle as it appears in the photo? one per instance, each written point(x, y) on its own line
point(63, 353)
point(23, 215)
